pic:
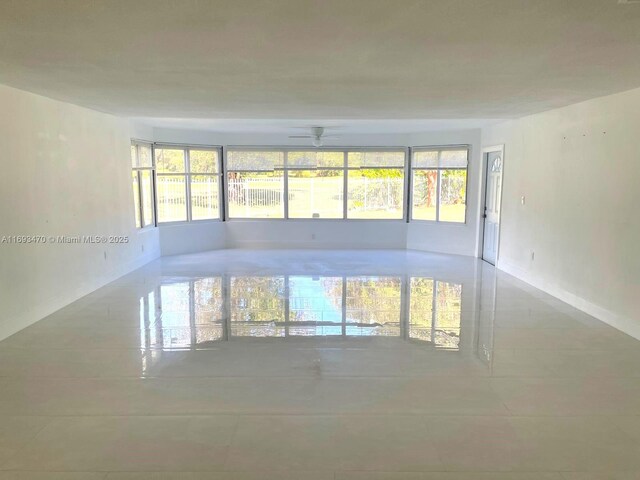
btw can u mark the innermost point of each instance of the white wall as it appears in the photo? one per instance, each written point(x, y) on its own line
point(192, 237)
point(312, 234)
point(65, 171)
point(579, 170)
point(443, 238)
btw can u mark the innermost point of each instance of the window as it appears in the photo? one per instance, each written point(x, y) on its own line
point(188, 183)
point(439, 184)
point(375, 185)
point(316, 184)
point(255, 183)
point(142, 180)
point(332, 183)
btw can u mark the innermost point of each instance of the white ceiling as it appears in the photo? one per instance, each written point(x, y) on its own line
point(320, 59)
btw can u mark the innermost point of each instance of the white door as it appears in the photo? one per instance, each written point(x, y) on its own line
point(493, 192)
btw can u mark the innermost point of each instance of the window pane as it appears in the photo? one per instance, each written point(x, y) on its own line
point(172, 198)
point(256, 194)
point(136, 197)
point(424, 194)
point(375, 159)
point(203, 161)
point(373, 301)
point(147, 197)
point(375, 193)
point(204, 197)
point(169, 160)
point(425, 159)
point(453, 186)
point(315, 159)
point(421, 309)
point(316, 193)
point(254, 160)
point(134, 156)
point(144, 156)
point(454, 158)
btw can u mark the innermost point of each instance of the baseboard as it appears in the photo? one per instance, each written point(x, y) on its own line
point(624, 324)
point(313, 245)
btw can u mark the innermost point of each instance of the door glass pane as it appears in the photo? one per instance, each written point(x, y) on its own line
point(425, 191)
point(256, 194)
point(453, 186)
point(147, 197)
point(136, 197)
point(204, 197)
point(375, 193)
point(172, 198)
point(316, 193)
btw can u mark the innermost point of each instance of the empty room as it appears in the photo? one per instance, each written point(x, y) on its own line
point(320, 240)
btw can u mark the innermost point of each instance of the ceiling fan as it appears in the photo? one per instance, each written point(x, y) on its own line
point(317, 134)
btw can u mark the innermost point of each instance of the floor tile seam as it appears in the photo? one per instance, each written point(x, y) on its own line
point(32, 439)
point(240, 415)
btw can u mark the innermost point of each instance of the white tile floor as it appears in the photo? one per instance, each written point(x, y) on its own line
point(345, 365)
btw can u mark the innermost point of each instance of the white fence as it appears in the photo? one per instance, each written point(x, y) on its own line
point(364, 193)
point(172, 197)
point(249, 192)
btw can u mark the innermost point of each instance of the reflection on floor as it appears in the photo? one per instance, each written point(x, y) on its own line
point(192, 313)
point(319, 365)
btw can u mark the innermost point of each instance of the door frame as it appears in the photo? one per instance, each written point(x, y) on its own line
point(483, 197)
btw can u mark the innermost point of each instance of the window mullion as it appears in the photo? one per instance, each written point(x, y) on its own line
point(438, 186)
point(187, 182)
point(140, 200)
point(286, 184)
point(345, 186)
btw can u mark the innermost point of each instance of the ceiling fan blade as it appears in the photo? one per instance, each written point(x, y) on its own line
point(301, 136)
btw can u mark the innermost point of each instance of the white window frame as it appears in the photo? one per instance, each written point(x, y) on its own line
point(285, 169)
point(186, 148)
point(138, 169)
point(438, 169)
